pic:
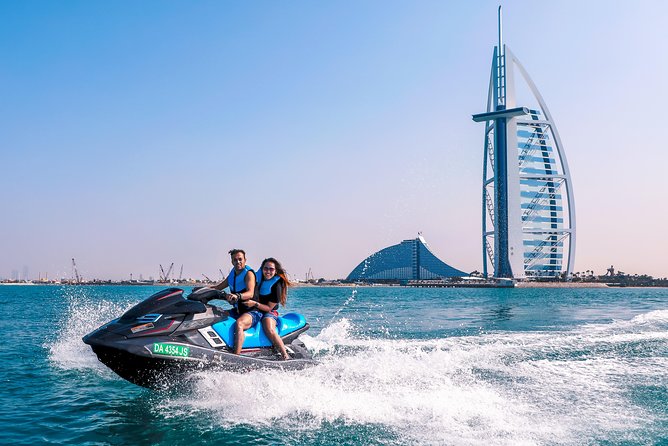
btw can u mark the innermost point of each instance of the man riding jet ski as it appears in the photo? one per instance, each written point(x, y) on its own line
point(167, 336)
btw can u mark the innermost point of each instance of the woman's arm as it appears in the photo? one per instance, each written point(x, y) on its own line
point(254, 304)
point(273, 304)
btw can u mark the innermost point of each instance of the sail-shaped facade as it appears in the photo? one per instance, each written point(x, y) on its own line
point(528, 221)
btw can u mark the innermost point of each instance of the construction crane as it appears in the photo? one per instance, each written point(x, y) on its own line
point(222, 275)
point(181, 273)
point(207, 278)
point(169, 271)
point(76, 272)
point(164, 276)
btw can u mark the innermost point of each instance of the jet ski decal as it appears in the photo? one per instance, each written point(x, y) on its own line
point(142, 327)
point(170, 295)
point(161, 328)
point(149, 318)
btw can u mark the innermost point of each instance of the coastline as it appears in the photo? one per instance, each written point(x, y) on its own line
point(561, 285)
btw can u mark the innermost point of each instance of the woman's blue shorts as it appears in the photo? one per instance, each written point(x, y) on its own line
point(271, 315)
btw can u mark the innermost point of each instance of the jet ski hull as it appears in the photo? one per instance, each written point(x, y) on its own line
point(160, 373)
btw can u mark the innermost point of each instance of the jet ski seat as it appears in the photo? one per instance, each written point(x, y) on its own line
point(255, 336)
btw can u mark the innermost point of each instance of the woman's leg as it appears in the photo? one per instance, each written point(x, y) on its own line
point(243, 323)
point(269, 326)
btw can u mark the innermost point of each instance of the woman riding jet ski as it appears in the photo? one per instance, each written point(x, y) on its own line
point(167, 336)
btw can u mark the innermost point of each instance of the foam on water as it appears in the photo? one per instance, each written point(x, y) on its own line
point(500, 388)
point(557, 387)
point(83, 315)
point(656, 317)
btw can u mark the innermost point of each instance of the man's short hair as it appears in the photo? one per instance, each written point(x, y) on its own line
point(234, 252)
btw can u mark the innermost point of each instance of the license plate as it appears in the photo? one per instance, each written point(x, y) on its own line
point(161, 348)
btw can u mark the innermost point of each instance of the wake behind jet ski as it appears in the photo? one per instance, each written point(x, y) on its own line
point(167, 336)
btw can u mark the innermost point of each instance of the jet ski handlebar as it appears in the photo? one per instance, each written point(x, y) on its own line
point(205, 294)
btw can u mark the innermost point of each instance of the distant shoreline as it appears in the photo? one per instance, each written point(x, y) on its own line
point(563, 285)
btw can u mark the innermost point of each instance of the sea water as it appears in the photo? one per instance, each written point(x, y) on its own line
point(398, 366)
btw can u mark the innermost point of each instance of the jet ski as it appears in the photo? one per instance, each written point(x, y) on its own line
point(167, 336)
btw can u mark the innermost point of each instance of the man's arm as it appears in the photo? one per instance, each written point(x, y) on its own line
point(221, 286)
point(250, 287)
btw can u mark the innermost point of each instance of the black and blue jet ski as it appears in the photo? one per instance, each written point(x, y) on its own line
point(167, 336)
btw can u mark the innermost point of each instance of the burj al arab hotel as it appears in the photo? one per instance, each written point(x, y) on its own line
point(528, 217)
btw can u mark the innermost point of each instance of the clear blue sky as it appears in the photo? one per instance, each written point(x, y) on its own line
point(140, 133)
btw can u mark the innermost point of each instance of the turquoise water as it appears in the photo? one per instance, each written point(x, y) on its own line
point(399, 366)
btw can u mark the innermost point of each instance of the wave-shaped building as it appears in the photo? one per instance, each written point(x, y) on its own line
point(528, 227)
point(408, 260)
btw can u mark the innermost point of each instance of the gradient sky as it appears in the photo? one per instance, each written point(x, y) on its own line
point(135, 134)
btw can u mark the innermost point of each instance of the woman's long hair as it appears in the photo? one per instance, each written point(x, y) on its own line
point(280, 272)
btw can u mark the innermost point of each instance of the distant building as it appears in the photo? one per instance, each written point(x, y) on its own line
point(528, 223)
point(409, 260)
